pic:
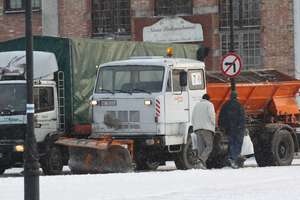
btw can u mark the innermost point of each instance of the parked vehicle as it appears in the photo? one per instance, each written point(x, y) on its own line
point(49, 110)
point(149, 101)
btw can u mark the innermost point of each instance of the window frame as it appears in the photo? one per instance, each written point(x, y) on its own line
point(196, 87)
point(38, 108)
point(247, 31)
point(158, 11)
point(7, 8)
point(110, 19)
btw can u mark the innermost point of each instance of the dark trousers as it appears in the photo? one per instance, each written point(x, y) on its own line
point(235, 143)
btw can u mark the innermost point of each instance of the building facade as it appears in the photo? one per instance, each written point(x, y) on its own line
point(264, 30)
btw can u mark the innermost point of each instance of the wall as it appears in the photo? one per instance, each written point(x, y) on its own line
point(75, 18)
point(50, 17)
point(12, 25)
point(277, 33)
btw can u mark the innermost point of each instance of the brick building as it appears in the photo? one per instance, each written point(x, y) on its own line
point(264, 29)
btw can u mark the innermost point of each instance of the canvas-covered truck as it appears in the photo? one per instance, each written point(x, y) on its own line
point(149, 101)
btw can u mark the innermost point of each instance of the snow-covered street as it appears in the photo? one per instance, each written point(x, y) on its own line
point(248, 183)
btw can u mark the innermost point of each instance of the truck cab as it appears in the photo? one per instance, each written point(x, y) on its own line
point(149, 100)
point(13, 118)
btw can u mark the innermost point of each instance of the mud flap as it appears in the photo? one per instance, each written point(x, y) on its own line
point(98, 156)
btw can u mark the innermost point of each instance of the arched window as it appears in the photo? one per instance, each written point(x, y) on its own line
point(173, 7)
point(110, 18)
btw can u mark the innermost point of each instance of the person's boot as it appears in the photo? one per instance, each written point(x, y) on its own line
point(233, 164)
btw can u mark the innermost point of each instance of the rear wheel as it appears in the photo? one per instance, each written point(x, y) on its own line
point(278, 150)
point(52, 162)
point(282, 148)
point(187, 158)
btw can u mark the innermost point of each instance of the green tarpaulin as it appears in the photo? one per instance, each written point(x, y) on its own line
point(78, 58)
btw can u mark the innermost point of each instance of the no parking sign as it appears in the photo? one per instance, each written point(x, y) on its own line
point(231, 64)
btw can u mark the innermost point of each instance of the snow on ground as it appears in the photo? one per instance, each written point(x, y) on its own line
point(268, 183)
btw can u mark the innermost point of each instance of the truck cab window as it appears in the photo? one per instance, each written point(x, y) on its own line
point(43, 99)
point(196, 79)
point(176, 82)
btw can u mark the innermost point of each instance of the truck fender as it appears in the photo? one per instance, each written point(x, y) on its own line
point(275, 128)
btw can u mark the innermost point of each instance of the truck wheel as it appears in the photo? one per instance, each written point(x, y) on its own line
point(2, 170)
point(147, 165)
point(262, 153)
point(217, 162)
point(282, 148)
point(187, 158)
point(52, 163)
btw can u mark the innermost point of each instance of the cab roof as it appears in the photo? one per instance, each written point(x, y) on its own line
point(158, 61)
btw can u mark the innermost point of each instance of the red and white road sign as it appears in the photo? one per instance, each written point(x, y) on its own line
point(231, 64)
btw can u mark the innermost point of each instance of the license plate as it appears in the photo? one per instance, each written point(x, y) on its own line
point(108, 103)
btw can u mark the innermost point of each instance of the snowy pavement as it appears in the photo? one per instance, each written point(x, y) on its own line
point(249, 183)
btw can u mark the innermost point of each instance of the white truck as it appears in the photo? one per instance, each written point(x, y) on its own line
point(48, 109)
point(150, 101)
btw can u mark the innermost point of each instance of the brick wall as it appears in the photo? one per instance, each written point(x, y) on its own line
point(13, 25)
point(277, 35)
point(75, 18)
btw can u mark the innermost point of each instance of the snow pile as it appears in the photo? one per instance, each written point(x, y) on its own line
point(242, 184)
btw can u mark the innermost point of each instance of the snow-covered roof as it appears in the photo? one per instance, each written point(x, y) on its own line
point(44, 63)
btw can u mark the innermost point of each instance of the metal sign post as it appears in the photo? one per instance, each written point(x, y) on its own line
point(231, 49)
point(31, 163)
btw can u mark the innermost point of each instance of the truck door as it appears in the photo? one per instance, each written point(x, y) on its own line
point(176, 100)
point(46, 119)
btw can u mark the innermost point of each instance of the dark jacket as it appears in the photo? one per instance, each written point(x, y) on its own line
point(232, 116)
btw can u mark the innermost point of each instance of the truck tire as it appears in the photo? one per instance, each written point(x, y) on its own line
point(52, 162)
point(147, 165)
point(2, 170)
point(262, 153)
point(187, 159)
point(277, 151)
point(283, 148)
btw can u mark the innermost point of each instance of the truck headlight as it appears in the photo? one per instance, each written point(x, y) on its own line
point(147, 102)
point(93, 102)
point(19, 148)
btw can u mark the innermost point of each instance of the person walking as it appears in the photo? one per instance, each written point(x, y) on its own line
point(204, 123)
point(232, 120)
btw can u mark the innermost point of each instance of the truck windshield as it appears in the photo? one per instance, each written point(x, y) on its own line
point(130, 79)
point(12, 99)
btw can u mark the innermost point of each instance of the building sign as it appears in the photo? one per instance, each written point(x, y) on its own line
point(174, 29)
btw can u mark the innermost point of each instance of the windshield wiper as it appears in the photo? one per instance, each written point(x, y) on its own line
point(141, 90)
point(124, 91)
point(106, 90)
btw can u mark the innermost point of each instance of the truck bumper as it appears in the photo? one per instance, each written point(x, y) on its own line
point(9, 156)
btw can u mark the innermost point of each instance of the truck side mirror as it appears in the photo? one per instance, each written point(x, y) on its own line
point(183, 78)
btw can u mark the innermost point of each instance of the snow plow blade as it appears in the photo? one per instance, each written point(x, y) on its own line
point(101, 155)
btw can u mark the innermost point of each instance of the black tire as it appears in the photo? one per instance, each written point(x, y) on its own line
point(283, 148)
point(52, 162)
point(277, 151)
point(146, 164)
point(217, 162)
point(262, 153)
point(187, 159)
point(2, 170)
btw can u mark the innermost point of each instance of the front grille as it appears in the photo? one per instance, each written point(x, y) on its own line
point(12, 132)
point(127, 119)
